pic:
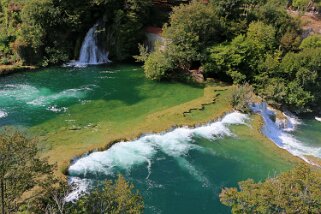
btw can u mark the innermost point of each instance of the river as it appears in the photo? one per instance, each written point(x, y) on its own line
point(180, 171)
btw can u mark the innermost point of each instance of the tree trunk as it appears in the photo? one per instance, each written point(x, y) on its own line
point(2, 196)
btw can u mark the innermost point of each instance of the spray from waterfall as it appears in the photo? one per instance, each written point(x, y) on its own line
point(91, 53)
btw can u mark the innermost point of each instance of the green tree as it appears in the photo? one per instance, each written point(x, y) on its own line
point(313, 41)
point(21, 169)
point(303, 70)
point(296, 191)
point(305, 4)
point(124, 23)
point(240, 58)
point(158, 66)
point(191, 29)
point(118, 197)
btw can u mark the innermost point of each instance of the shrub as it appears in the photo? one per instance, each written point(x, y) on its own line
point(157, 66)
point(242, 97)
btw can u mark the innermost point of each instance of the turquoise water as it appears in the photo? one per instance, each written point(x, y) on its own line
point(309, 132)
point(180, 172)
point(183, 171)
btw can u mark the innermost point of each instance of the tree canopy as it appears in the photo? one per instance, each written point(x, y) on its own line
point(296, 191)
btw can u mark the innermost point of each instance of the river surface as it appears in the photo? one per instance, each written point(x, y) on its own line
point(181, 171)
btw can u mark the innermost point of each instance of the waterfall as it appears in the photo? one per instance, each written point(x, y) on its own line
point(280, 133)
point(90, 52)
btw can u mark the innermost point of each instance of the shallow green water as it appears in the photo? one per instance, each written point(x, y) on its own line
point(85, 96)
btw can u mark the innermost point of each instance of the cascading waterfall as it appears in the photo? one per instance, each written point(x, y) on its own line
point(91, 53)
point(279, 133)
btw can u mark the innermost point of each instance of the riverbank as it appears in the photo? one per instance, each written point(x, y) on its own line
point(11, 69)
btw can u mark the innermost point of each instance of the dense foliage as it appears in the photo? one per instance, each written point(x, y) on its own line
point(242, 41)
point(306, 4)
point(20, 169)
point(42, 32)
point(296, 191)
point(28, 184)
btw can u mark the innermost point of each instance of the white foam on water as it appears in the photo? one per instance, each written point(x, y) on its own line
point(19, 92)
point(10, 94)
point(281, 136)
point(79, 186)
point(3, 114)
point(57, 109)
point(235, 118)
point(66, 94)
point(107, 72)
point(176, 144)
point(290, 123)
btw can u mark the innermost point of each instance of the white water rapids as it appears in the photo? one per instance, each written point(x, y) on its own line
point(125, 155)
